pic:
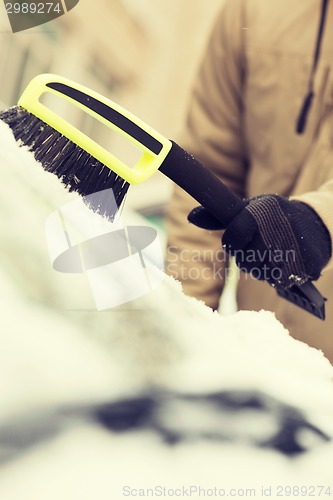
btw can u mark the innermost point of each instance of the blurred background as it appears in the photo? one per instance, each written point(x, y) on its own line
point(143, 54)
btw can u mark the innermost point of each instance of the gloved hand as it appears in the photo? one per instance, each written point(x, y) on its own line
point(275, 239)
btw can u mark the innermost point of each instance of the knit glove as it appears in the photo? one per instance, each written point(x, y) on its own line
point(275, 239)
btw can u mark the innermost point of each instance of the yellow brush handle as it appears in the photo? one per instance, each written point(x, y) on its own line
point(148, 162)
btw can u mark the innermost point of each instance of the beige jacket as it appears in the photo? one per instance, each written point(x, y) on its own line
point(241, 124)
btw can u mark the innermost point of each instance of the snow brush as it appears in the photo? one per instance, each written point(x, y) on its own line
point(86, 167)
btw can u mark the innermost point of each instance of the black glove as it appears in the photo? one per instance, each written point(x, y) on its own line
point(275, 239)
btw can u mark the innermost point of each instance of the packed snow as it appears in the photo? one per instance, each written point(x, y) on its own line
point(60, 357)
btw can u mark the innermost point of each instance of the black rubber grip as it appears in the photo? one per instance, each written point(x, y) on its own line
point(183, 169)
point(188, 173)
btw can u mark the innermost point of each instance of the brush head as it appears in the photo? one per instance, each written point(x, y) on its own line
point(81, 163)
point(78, 170)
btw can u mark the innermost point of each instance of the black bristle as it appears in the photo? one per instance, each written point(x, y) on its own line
point(77, 169)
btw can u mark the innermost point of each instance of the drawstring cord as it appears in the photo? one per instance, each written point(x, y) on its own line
point(302, 119)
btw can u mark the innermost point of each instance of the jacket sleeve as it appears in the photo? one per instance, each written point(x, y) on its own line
point(213, 134)
point(315, 185)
